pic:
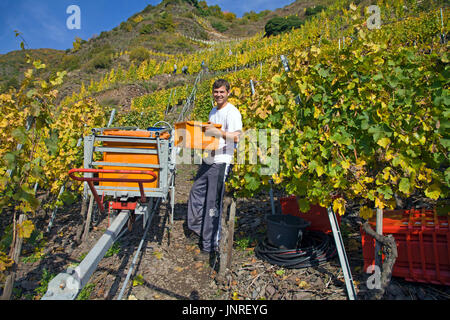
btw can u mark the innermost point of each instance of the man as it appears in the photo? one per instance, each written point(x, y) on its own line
point(205, 199)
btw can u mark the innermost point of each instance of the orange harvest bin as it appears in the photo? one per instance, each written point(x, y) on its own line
point(131, 158)
point(191, 135)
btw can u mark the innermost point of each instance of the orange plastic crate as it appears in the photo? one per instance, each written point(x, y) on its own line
point(423, 245)
point(130, 158)
point(191, 134)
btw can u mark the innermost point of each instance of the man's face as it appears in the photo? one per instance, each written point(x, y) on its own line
point(220, 95)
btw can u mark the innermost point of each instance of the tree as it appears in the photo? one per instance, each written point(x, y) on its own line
point(279, 25)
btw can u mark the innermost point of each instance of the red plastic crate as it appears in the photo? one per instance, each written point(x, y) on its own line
point(317, 215)
point(423, 245)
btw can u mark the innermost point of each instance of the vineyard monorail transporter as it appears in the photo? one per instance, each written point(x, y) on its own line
point(138, 171)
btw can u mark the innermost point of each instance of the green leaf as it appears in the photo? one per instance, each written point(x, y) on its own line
point(10, 159)
point(386, 191)
point(68, 197)
point(303, 205)
point(31, 93)
point(252, 182)
point(320, 170)
point(276, 79)
point(280, 272)
point(445, 143)
point(52, 143)
point(343, 139)
point(404, 185)
point(20, 135)
point(323, 72)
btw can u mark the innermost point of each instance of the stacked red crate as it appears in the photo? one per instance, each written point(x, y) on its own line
point(423, 244)
point(317, 215)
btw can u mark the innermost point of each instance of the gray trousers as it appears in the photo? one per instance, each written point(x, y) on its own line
point(205, 204)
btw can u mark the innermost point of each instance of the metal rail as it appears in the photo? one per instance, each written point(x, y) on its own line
point(342, 255)
point(141, 243)
point(67, 285)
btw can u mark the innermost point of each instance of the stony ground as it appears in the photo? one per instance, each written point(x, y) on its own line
point(166, 269)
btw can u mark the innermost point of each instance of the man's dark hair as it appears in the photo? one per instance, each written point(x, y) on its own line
point(221, 83)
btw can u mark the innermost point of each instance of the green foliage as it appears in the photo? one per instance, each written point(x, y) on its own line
point(100, 61)
point(314, 10)
point(126, 26)
point(140, 119)
point(86, 292)
point(204, 10)
point(279, 25)
point(253, 16)
point(115, 249)
point(77, 44)
point(165, 22)
point(146, 29)
point(70, 62)
point(244, 243)
point(43, 283)
point(361, 122)
point(10, 83)
point(219, 26)
point(139, 54)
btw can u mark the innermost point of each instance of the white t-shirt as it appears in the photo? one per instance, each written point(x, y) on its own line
point(231, 120)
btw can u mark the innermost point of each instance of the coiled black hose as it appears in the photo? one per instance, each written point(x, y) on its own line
point(316, 249)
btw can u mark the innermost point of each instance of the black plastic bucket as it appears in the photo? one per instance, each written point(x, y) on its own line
point(284, 230)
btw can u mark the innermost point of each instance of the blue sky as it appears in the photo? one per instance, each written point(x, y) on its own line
point(43, 22)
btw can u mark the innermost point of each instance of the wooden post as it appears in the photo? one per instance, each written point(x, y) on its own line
point(88, 219)
point(83, 217)
point(15, 254)
point(231, 232)
point(227, 233)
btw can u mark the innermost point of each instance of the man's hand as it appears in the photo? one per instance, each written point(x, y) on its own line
point(211, 130)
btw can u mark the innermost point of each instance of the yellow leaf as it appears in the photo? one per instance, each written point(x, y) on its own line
point(138, 280)
point(386, 174)
point(345, 164)
point(433, 191)
point(365, 212)
point(5, 261)
point(158, 255)
point(25, 229)
point(320, 170)
point(317, 112)
point(384, 142)
point(235, 296)
point(339, 206)
point(379, 203)
point(303, 284)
